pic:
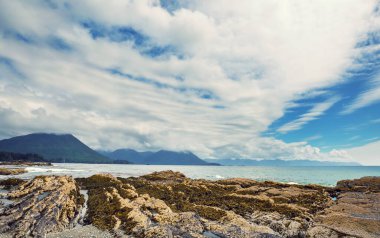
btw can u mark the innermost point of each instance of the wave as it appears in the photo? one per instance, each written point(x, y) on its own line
point(52, 170)
point(292, 183)
point(219, 176)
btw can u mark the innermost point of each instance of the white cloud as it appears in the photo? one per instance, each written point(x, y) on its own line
point(366, 154)
point(315, 112)
point(254, 58)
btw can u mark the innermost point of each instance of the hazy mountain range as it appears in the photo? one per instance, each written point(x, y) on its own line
point(162, 157)
point(67, 148)
point(277, 162)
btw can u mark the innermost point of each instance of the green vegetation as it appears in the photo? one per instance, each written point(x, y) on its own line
point(14, 157)
point(11, 182)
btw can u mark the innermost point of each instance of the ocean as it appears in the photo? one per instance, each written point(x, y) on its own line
point(327, 176)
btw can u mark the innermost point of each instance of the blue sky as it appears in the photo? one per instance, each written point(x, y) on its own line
point(257, 80)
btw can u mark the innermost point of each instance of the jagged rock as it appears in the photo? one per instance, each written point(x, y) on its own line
point(11, 171)
point(365, 184)
point(44, 204)
point(165, 176)
point(142, 215)
point(167, 204)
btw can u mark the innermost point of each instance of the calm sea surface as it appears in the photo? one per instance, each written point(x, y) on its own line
point(301, 175)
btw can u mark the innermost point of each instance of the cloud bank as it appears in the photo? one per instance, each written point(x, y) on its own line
point(205, 76)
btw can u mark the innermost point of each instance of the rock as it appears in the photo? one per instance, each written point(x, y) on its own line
point(120, 207)
point(11, 182)
point(354, 214)
point(321, 232)
point(25, 163)
point(141, 214)
point(356, 211)
point(165, 176)
point(11, 171)
point(44, 204)
point(88, 231)
point(365, 184)
point(167, 204)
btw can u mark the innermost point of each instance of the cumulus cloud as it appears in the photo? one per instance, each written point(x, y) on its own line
point(219, 76)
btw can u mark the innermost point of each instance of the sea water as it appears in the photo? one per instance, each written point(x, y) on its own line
point(327, 176)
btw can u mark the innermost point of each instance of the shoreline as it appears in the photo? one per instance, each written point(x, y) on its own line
point(168, 204)
point(325, 176)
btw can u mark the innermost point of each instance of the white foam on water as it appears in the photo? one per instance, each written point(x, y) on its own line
point(219, 177)
point(51, 170)
point(292, 183)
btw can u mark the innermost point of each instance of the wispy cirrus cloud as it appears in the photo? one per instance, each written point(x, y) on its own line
point(313, 114)
point(366, 98)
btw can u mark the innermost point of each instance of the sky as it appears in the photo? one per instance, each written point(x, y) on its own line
point(264, 79)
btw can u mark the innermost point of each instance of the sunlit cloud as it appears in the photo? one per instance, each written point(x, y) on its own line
point(204, 76)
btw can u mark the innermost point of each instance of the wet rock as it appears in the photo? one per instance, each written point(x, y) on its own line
point(365, 184)
point(322, 232)
point(44, 204)
point(165, 176)
point(11, 171)
point(159, 213)
point(355, 213)
point(167, 204)
point(11, 182)
point(25, 163)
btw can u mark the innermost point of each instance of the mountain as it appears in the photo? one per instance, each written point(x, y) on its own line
point(53, 148)
point(284, 163)
point(127, 155)
point(177, 158)
point(162, 157)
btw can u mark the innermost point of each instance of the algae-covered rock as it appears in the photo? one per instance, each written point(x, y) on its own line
point(365, 184)
point(167, 204)
point(11, 182)
point(12, 171)
point(221, 207)
point(155, 207)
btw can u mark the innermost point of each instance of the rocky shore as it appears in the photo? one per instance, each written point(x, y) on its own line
point(7, 170)
point(12, 171)
point(167, 204)
point(25, 163)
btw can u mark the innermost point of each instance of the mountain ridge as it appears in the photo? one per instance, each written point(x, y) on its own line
point(278, 162)
point(53, 148)
point(67, 148)
point(161, 157)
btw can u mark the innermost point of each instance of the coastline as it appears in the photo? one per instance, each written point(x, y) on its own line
point(168, 204)
point(325, 176)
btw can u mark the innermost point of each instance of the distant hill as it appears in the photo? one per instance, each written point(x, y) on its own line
point(127, 155)
point(284, 163)
point(13, 157)
point(53, 148)
point(162, 157)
